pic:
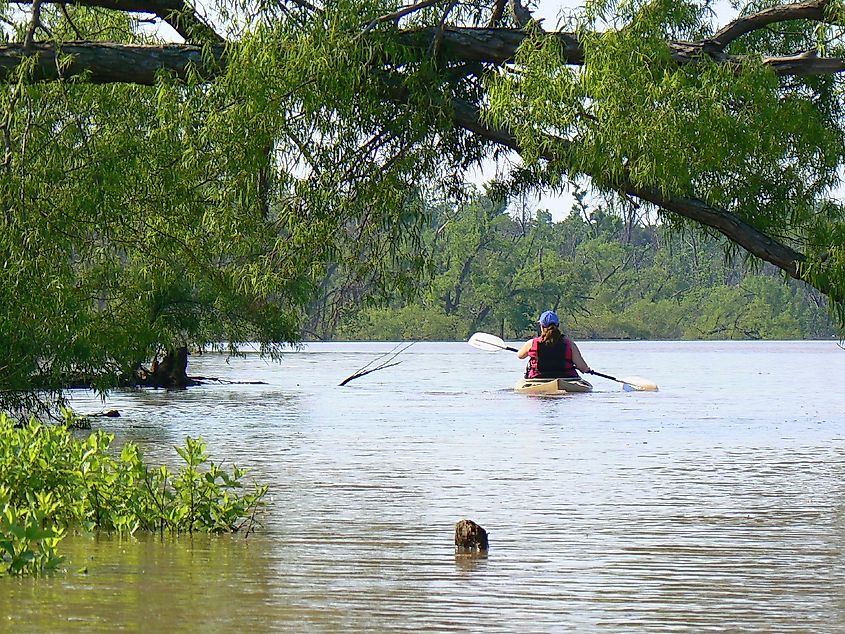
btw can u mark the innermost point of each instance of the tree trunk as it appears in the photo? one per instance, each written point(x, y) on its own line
point(170, 373)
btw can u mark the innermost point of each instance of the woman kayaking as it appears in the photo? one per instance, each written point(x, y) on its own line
point(552, 355)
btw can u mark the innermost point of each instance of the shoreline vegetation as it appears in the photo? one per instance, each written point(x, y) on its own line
point(53, 482)
point(609, 273)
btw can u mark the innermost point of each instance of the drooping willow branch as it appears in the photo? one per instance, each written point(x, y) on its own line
point(118, 63)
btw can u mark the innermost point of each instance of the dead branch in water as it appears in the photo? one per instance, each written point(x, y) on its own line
point(385, 364)
point(214, 379)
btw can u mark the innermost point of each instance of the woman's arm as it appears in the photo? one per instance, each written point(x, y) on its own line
point(523, 351)
point(578, 360)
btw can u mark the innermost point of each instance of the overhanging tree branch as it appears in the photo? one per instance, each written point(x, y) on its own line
point(499, 46)
point(106, 62)
point(731, 226)
point(813, 10)
point(476, 44)
point(136, 63)
point(118, 63)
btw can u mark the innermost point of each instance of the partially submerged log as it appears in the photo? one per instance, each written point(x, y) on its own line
point(470, 538)
point(172, 373)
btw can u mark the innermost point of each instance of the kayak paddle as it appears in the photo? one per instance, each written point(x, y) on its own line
point(630, 383)
point(492, 343)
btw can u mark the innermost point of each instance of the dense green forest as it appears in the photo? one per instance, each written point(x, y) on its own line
point(607, 271)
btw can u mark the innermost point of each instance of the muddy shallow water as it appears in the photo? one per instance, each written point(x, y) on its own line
point(716, 503)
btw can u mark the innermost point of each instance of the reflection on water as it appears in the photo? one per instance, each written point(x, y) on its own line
point(716, 503)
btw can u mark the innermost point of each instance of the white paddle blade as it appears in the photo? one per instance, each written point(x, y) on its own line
point(638, 383)
point(488, 342)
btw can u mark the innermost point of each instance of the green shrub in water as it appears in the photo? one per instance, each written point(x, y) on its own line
point(28, 538)
point(51, 482)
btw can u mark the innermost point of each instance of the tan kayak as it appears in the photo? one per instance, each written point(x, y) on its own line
point(552, 386)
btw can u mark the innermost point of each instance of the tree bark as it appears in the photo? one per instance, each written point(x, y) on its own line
point(171, 372)
point(105, 62)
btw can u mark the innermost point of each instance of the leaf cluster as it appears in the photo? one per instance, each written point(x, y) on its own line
point(137, 218)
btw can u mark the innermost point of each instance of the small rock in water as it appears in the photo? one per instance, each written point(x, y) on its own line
point(470, 537)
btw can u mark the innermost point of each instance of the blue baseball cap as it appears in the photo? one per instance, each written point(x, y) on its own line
point(549, 318)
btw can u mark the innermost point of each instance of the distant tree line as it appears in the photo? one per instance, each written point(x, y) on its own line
point(610, 273)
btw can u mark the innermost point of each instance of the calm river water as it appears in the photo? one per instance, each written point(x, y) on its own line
point(716, 503)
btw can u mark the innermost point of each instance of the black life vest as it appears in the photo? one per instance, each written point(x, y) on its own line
point(554, 360)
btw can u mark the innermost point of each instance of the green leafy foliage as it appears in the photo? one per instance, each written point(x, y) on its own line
point(54, 482)
point(766, 149)
point(204, 213)
point(28, 537)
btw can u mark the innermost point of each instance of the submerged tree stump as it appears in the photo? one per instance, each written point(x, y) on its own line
point(470, 537)
point(172, 372)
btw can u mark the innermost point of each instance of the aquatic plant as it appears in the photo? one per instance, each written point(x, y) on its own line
point(27, 543)
point(53, 482)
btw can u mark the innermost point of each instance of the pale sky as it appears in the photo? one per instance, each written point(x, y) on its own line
point(550, 9)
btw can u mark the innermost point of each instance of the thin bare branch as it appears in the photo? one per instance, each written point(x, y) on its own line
point(387, 363)
point(498, 12)
point(438, 38)
point(358, 375)
point(521, 15)
point(70, 21)
point(401, 13)
point(34, 23)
